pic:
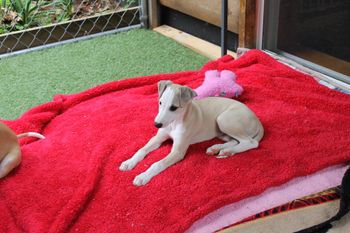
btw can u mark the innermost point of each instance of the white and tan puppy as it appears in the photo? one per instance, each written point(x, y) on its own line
point(10, 151)
point(187, 121)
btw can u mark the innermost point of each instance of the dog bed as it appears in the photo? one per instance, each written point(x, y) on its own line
point(285, 219)
point(289, 221)
point(260, 205)
point(70, 181)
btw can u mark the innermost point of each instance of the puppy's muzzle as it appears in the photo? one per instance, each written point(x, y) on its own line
point(158, 125)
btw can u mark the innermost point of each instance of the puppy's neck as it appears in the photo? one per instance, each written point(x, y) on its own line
point(188, 110)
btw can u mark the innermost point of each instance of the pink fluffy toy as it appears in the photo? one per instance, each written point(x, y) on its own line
point(218, 83)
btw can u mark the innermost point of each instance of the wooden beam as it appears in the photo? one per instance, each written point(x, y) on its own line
point(247, 24)
point(207, 10)
point(200, 46)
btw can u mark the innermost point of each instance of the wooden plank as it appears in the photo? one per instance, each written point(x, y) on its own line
point(200, 46)
point(153, 12)
point(207, 10)
point(247, 24)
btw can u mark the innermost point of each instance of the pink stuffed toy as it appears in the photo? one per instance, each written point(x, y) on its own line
point(219, 84)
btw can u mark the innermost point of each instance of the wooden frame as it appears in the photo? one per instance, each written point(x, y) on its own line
point(207, 10)
point(246, 17)
point(247, 24)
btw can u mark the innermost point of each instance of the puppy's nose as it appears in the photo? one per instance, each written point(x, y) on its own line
point(158, 125)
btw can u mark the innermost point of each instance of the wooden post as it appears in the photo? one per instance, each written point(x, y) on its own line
point(153, 13)
point(247, 24)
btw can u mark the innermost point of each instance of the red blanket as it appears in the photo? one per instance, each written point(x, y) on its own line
point(70, 182)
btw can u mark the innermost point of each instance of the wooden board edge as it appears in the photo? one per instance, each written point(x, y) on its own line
point(196, 44)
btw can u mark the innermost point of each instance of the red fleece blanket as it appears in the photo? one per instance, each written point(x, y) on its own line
point(70, 182)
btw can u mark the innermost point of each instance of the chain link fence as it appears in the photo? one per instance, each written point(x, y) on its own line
point(27, 24)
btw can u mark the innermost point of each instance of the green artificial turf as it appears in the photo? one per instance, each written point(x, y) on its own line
point(34, 78)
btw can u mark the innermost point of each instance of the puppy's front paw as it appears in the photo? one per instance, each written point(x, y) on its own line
point(127, 165)
point(141, 179)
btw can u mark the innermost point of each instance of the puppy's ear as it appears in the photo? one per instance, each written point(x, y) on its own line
point(186, 94)
point(162, 85)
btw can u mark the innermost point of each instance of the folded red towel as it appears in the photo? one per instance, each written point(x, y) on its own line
point(70, 181)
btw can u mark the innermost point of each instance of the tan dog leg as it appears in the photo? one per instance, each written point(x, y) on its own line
point(177, 153)
point(215, 149)
point(243, 145)
point(243, 139)
point(152, 145)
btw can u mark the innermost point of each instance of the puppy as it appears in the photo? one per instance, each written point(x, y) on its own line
point(187, 121)
point(10, 152)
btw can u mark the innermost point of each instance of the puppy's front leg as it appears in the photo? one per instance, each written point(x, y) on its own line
point(152, 145)
point(177, 153)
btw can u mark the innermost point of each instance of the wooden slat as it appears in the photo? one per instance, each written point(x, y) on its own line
point(200, 46)
point(247, 24)
point(207, 10)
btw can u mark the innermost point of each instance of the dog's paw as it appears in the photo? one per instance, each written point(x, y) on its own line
point(127, 165)
point(214, 150)
point(141, 179)
point(224, 153)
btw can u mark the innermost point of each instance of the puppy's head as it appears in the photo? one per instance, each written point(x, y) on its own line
point(173, 102)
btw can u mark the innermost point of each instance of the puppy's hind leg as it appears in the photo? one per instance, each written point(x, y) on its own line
point(215, 149)
point(235, 129)
point(225, 138)
point(243, 145)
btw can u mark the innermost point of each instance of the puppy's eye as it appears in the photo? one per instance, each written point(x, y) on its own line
point(160, 103)
point(173, 108)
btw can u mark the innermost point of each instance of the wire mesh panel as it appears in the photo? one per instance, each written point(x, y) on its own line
point(25, 24)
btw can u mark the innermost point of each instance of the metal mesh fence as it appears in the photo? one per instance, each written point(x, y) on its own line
point(26, 24)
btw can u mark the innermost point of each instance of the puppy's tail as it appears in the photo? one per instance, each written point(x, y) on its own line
point(31, 134)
